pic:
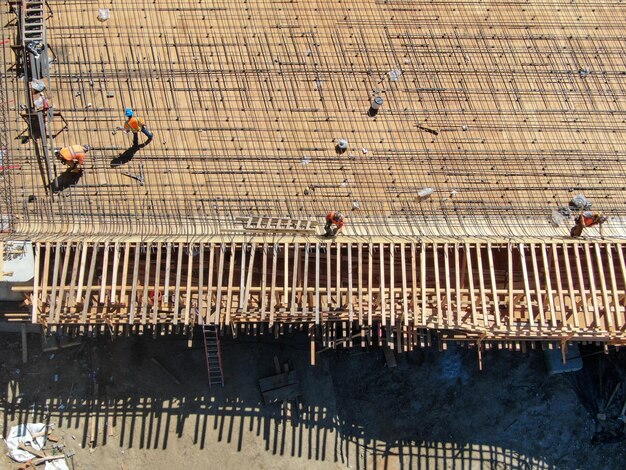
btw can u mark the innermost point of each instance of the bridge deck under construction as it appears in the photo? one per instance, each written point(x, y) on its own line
point(506, 110)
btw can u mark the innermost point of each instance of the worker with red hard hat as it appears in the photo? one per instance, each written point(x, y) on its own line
point(333, 218)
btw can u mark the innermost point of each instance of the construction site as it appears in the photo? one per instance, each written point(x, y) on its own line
point(284, 215)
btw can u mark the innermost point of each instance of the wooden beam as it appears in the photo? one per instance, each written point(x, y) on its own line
point(481, 281)
point(116, 267)
point(438, 294)
point(511, 300)
point(447, 279)
point(285, 295)
point(124, 273)
point(470, 272)
point(273, 285)
point(146, 277)
point(317, 283)
point(570, 286)
point(370, 268)
point(231, 279)
point(168, 270)
point(81, 273)
point(305, 280)
point(71, 298)
point(35, 298)
point(592, 284)
point(405, 294)
point(533, 257)
point(200, 305)
point(66, 262)
point(414, 280)
point(581, 282)
point(92, 268)
point(135, 279)
point(190, 257)
point(105, 267)
point(529, 303)
point(457, 283)
point(157, 280)
point(382, 298)
point(392, 285)
point(619, 313)
point(209, 286)
point(494, 288)
point(328, 276)
point(350, 293)
point(339, 301)
point(55, 280)
point(360, 283)
point(423, 281)
point(605, 295)
point(220, 284)
point(548, 283)
point(179, 268)
point(246, 300)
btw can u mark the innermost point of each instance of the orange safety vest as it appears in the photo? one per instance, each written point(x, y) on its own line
point(591, 218)
point(75, 153)
point(331, 218)
point(134, 124)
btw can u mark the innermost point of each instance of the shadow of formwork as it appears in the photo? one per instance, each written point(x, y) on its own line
point(438, 412)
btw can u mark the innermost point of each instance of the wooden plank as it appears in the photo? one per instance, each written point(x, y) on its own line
point(294, 278)
point(618, 308)
point(246, 298)
point(559, 284)
point(231, 275)
point(481, 283)
point(242, 278)
point(209, 285)
point(494, 287)
point(605, 295)
point(392, 285)
point(105, 267)
point(220, 283)
point(447, 279)
point(360, 281)
point(383, 306)
point(511, 300)
point(350, 294)
point(146, 284)
point(71, 298)
point(273, 285)
point(64, 269)
point(405, 293)
point(414, 280)
point(305, 281)
point(46, 272)
point(423, 281)
point(437, 283)
point(35, 298)
point(529, 303)
point(570, 286)
point(179, 268)
point(592, 285)
point(533, 257)
point(285, 296)
point(581, 283)
point(548, 283)
point(168, 270)
point(92, 268)
point(116, 267)
point(317, 283)
point(328, 276)
point(370, 268)
point(81, 274)
point(135, 279)
point(55, 280)
point(470, 272)
point(457, 282)
point(188, 293)
point(157, 280)
point(339, 300)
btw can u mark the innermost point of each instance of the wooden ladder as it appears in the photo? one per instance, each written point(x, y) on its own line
point(213, 354)
point(33, 21)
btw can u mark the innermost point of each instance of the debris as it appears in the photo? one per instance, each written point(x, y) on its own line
point(464, 127)
point(38, 85)
point(342, 145)
point(580, 203)
point(394, 74)
point(424, 193)
point(365, 151)
point(427, 129)
point(583, 72)
point(103, 14)
point(305, 161)
point(21, 435)
point(355, 205)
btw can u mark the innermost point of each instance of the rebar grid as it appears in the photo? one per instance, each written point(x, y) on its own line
point(527, 99)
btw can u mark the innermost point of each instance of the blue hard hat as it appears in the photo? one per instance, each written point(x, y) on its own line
point(129, 112)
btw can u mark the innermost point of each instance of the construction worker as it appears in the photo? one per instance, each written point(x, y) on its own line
point(588, 219)
point(73, 157)
point(135, 125)
point(336, 219)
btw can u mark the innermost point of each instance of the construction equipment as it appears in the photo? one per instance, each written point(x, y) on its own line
point(213, 354)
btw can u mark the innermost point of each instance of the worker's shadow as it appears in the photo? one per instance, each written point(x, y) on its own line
point(125, 157)
point(65, 180)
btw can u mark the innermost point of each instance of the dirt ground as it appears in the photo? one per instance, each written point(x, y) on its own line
point(435, 410)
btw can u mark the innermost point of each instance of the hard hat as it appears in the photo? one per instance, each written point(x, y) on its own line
point(87, 147)
point(129, 112)
point(338, 216)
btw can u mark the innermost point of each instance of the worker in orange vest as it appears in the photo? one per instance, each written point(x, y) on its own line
point(136, 125)
point(588, 219)
point(336, 219)
point(73, 156)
